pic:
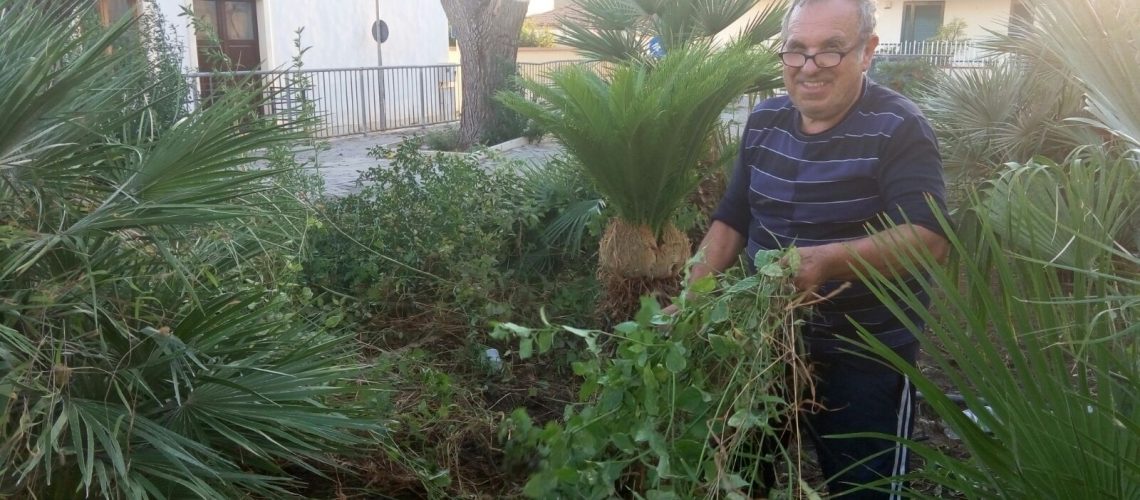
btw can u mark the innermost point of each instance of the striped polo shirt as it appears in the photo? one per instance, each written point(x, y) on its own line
point(880, 162)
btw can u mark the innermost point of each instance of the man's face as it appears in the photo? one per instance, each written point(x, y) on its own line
point(823, 95)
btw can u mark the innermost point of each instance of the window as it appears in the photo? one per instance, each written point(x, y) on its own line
point(238, 21)
point(921, 20)
point(227, 28)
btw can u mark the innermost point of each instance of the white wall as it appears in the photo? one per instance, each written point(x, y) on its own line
point(170, 10)
point(978, 15)
point(338, 32)
point(419, 32)
point(539, 6)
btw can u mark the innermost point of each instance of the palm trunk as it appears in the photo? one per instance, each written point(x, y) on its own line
point(633, 262)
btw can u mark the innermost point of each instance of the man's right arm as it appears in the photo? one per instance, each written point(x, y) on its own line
point(720, 249)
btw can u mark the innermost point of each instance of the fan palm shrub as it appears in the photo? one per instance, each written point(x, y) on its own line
point(639, 135)
point(1036, 321)
point(1044, 354)
point(147, 345)
point(1009, 111)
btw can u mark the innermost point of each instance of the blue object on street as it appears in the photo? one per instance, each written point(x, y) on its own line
point(656, 48)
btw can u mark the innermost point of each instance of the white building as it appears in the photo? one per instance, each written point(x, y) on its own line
point(342, 57)
point(917, 20)
point(259, 34)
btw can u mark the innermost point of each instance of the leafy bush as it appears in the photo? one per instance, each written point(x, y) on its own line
point(1041, 345)
point(1035, 321)
point(421, 230)
point(535, 36)
point(1006, 112)
point(442, 139)
point(570, 212)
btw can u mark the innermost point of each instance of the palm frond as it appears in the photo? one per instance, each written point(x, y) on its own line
point(1064, 213)
point(1035, 347)
point(766, 25)
point(713, 16)
point(639, 134)
point(1096, 40)
point(620, 30)
point(143, 351)
point(1005, 112)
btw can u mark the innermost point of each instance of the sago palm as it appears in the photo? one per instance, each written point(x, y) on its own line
point(616, 31)
point(639, 134)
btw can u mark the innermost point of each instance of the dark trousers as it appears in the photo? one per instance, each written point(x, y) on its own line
point(860, 395)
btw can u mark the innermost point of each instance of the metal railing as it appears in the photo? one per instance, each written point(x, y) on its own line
point(962, 54)
point(351, 100)
point(361, 100)
point(539, 71)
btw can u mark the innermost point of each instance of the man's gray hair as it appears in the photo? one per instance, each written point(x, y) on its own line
point(866, 10)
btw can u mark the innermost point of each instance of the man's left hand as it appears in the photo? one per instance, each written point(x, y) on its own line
point(818, 264)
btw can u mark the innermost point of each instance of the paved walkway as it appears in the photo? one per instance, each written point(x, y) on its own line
point(346, 157)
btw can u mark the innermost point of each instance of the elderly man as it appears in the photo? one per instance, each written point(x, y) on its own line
point(820, 169)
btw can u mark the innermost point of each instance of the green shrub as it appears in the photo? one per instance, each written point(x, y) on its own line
point(535, 36)
point(442, 139)
point(571, 213)
point(906, 75)
point(421, 230)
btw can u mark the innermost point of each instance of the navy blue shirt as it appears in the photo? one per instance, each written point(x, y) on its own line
point(879, 163)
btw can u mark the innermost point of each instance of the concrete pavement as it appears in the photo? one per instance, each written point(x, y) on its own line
point(346, 157)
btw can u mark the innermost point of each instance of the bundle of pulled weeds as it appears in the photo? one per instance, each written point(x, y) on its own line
point(695, 404)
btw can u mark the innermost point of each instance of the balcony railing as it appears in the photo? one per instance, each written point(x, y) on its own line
point(950, 55)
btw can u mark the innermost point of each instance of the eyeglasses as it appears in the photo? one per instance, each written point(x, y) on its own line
point(822, 59)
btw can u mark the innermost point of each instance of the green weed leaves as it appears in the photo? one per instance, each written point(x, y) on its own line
point(670, 406)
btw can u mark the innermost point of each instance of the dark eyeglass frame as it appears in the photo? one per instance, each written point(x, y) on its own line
point(812, 58)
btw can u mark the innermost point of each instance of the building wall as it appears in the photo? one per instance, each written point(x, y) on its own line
point(338, 33)
point(539, 6)
point(978, 15)
point(538, 55)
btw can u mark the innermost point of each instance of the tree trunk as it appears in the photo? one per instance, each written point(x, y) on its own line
point(488, 35)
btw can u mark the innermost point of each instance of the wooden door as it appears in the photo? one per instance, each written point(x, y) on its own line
point(227, 41)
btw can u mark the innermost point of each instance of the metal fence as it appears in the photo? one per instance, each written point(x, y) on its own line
point(539, 71)
point(360, 100)
point(351, 100)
